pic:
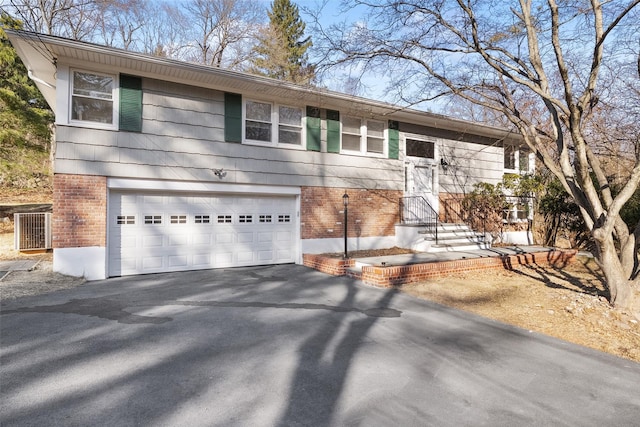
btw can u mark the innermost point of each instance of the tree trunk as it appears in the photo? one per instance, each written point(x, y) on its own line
point(624, 293)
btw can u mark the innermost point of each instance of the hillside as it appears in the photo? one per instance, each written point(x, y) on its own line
point(26, 124)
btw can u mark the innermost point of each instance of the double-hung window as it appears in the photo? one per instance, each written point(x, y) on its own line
point(375, 137)
point(92, 97)
point(363, 136)
point(289, 125)
point(351, 133)
point(258, 122)
point(271, 124)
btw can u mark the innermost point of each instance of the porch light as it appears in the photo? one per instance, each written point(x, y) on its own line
point(345, 202)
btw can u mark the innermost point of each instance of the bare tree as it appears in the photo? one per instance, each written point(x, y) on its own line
point(518, 57)
point(47, 16)
point(220, 26)
point(164, 31)
point(121, 22)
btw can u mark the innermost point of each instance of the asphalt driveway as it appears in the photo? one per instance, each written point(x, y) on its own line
point(287, 346)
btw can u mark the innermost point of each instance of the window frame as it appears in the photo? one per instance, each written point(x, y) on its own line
point(364, 137)
point(115, 100)
point(517, 154)
point(275, 125)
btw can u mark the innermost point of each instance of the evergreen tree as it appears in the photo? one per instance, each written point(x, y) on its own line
point(25, 120)
point(281, 52)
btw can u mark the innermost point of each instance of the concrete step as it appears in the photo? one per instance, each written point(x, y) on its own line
point(453, 239)
point(453, 247)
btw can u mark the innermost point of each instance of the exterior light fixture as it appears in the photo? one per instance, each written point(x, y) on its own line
point(345, 202)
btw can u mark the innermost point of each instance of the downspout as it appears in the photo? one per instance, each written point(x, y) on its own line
point(39, 80)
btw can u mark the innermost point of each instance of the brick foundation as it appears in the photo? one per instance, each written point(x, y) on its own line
point(371, 213)
point(79, 211)
point(399, 275)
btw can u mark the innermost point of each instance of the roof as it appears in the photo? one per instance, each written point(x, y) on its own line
point(40, 53)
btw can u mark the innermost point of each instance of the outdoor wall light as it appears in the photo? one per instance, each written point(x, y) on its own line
point(345, 202)
point(444, 164)
point(220, 173)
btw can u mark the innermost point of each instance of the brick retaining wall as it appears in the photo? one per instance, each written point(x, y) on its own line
point(399, 275)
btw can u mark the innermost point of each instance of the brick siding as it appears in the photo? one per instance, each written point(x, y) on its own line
point(370, 212)
point(79, 211)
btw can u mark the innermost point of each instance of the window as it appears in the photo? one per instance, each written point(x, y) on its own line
point(363, 136)
point(289, 125)
point(92, 97)
point(264, 218)
point(516, 158)
point(523, 159)
point(202, 219)
point(224, 219)
point(375, 137)
point(153, 219)
point(178, 219)
point(351, 133)
point(284, 218)
point(245, 219)
point(125, 219)
point(274, 125)
point(258, 123)
point(509, 157)
point(417, 148)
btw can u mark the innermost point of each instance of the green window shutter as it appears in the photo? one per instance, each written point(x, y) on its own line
point(130, 103)
point(394, 140)
point(232, 117)
point(333, 131)
point(313, 129)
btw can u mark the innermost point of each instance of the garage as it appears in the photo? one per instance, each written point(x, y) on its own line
point(153, 232)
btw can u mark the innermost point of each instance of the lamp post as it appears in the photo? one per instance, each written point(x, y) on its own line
point(345, 202)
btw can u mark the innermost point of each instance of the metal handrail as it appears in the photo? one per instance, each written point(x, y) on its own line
point(417, 210)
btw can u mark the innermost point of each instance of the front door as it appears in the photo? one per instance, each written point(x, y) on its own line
point(421, 172)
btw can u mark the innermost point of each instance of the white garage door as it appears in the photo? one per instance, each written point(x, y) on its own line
point(152, 233)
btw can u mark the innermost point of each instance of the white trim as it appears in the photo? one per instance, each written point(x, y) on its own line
point(275, 125)
point(362, 151)
point(115, 100)
point(207, 187)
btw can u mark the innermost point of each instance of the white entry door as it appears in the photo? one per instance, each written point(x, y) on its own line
point(155, 232)
point(421, 181)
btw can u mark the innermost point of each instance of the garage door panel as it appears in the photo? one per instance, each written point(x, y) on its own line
point(245, 237)
point(172, 232)
point(178, 261)
point(152, 241)
point(178, 239)
point(245, 257)
point(202, 239)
